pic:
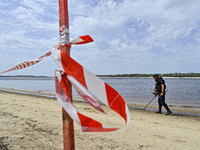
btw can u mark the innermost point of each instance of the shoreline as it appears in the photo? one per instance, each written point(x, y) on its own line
point(33, 122)
point(184, 110)
point(151, 77)
point(97, 76)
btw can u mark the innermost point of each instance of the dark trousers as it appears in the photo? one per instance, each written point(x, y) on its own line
point(161, 102)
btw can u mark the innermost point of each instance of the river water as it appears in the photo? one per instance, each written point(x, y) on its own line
point(182, 92)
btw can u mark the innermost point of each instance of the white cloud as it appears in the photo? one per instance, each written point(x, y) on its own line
point(129, 36)
point(146, 29)
point(39, 6)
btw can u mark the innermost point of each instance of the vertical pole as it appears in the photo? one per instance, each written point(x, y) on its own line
point(68, 126)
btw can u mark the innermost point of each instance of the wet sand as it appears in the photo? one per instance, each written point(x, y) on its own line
point(32, 122)
point(182, 110)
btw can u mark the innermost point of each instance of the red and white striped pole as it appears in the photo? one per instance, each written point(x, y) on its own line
point(68, 126)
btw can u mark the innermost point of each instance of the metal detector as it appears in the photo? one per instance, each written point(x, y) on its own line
point(153, 99)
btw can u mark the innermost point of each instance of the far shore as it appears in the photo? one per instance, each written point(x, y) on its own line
point(151, 77)
point(98, 76)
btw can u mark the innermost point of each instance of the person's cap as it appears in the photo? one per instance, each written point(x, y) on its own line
point(155, 75)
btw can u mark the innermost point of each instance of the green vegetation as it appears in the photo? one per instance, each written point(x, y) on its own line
point(180, 75)
point(135, 75)
point(26, 76)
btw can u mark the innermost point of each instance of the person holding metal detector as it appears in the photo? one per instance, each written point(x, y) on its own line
point(160, 91)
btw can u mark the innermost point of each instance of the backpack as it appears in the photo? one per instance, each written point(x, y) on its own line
point(157, 86)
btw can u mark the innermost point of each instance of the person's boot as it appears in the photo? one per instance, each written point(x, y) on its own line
point(158, 112)
point(168, 113)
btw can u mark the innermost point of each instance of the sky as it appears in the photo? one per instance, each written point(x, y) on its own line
point(130, 36)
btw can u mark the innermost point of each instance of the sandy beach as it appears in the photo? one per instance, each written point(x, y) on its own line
point(31, 122)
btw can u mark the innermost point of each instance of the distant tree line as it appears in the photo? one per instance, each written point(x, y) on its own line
point(23, 76)
point(181, 75)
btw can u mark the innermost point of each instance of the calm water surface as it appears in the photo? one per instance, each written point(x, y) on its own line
point(181, 91)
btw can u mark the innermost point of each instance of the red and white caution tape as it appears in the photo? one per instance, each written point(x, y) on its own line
point(80, 40)
point(28, 63)
point(83, 81)
point(81, 78)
